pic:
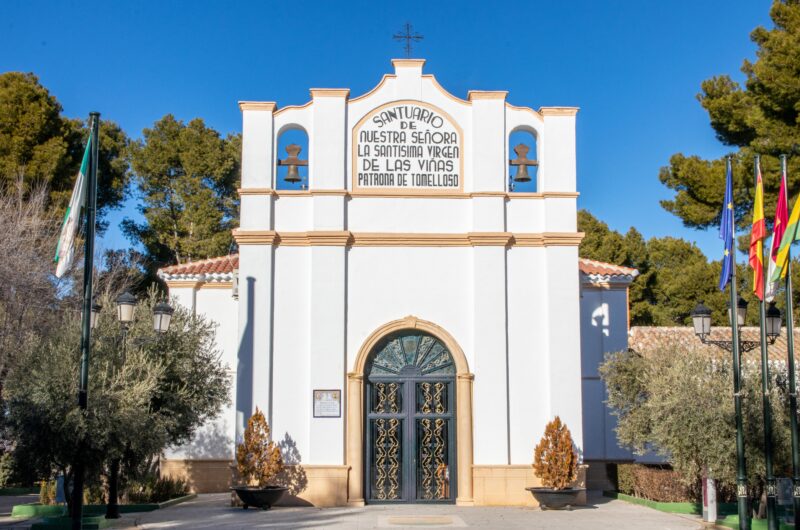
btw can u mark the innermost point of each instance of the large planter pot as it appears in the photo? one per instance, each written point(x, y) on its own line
point(257, 497)
point(550, 499)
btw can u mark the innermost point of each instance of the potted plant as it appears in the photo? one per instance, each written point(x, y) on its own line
point(555, 463)
point(258, 461)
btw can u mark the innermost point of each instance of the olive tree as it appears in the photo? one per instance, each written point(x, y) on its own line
point(155, 395)
point(678, 402)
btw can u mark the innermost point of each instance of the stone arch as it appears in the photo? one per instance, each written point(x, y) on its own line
point(355, 408)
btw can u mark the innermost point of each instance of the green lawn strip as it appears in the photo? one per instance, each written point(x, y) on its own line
point(732, 521)
point(689, 508)
point(65, 523)
point(35, 509)
point(55, 510)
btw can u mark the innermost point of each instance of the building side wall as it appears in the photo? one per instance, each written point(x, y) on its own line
point(604, 329)
point(215, 439)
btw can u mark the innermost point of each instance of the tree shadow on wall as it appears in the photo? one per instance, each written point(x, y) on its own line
point(293, 475)
point(211, 442)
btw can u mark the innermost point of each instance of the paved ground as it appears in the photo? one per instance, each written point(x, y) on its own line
point(9, 501)
point(214, 511)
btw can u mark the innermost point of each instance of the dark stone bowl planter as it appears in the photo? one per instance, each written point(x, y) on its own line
point(550, 499)
point(257, 497)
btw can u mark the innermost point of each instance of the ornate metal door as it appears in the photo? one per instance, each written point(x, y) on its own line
point(410, 422)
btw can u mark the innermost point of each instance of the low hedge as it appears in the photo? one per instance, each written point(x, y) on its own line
point(655, 483)
point(689, 508)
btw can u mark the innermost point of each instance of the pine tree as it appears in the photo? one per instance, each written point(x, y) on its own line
point(41, 147)
point(187, 176)
point(763, 117)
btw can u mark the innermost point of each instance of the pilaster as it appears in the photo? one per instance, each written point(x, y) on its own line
point(557, 167)
point(326, 332)
point(254, 368)
point(488, 140)
point(257, 164)
point(490, 353)
point(563, 337)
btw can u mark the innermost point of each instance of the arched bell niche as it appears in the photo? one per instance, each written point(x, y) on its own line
point(522, 177)
point(289, 140)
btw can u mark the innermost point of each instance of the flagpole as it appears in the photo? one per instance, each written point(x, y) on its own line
point(86, 345)
point(791, 370)
point(772, 516)
point(741, 471)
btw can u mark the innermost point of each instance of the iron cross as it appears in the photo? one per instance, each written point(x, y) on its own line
point(409, 35)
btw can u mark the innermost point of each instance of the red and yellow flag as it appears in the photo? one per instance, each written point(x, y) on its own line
point(757, 235)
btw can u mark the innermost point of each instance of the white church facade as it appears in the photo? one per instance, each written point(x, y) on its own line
point(407, 321)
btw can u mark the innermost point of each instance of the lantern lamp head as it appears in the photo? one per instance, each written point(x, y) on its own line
point(162, 315)
point(741, 311)
point(95, 314)
point(701, 320)
point(126, 304)
point(773, 322)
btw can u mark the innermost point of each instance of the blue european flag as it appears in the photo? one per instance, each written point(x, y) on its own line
point(726, 231)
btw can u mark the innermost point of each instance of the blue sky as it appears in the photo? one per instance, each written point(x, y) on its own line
point(634, 67)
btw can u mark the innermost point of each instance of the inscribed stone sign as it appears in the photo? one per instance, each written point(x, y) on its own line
point(405, 146)
point(327, 403)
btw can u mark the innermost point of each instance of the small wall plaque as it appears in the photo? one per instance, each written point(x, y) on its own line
point(327, 403)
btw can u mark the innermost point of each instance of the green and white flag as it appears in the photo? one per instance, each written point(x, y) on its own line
point(65, 250)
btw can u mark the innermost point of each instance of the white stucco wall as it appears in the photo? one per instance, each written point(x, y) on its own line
point(216, 438)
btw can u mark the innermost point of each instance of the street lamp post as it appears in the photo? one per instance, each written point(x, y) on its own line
point(701, 321)
point(126, 308)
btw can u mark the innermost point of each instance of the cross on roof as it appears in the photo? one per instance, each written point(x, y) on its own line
point(408, 36)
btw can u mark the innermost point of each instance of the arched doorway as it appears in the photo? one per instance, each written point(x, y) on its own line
point(356, 415)
point(410, 420)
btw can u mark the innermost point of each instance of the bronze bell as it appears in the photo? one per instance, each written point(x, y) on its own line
point(291, 162)
point(292, 175)
point(522, 174)
point(522, 162)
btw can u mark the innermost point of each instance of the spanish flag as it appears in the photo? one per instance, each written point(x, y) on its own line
point(789, 237)
point(757, 236)
point(779, 227)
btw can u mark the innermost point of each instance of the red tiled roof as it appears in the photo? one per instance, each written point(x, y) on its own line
point(221, 265)
point(590, 266)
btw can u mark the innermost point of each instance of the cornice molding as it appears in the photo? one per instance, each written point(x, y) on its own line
point(490, 239)
point(330, 93)
point(473, 95)
point(322, 238)
point(216, 285)
point(563, 239)
point(408, 63)
point(255, 191)
point(254, 237)
point(341, 238)
point(559, 111)
point(378, 194)
point(183, 284)
point(266, 106)
point(404, 239)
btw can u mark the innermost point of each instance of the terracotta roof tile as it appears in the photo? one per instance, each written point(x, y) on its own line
point(219, 266)
point(590, 266)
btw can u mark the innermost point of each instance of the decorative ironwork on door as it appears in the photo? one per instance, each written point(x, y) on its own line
point(410, 418)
